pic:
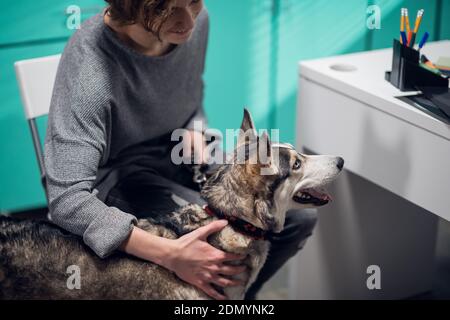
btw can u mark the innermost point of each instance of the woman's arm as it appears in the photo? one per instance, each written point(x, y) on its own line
point(75, 145)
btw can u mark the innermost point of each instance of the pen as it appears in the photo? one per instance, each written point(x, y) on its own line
point(412, 40)
point(424, 40)
point(404, 40)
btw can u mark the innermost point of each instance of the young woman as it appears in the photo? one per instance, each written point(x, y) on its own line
point(126, 80)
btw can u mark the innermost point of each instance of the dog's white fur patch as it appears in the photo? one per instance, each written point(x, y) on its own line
point(316, 172)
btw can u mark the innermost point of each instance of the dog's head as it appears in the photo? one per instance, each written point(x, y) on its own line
point(267, 179)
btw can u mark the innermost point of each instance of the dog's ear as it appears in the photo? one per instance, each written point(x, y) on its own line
point(266, 155)
point(247, 134)
point(247, 121)
point(264, 149)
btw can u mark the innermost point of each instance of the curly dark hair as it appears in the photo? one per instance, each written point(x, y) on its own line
point(150, 13)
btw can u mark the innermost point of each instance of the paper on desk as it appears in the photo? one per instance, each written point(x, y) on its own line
point(443, 63)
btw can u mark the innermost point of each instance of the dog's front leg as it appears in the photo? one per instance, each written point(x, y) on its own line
point(255, 262)
point(238, 292)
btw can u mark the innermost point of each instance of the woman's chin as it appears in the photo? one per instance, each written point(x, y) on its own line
point(176, 38)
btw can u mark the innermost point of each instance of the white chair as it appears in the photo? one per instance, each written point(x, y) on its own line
point(36, 78)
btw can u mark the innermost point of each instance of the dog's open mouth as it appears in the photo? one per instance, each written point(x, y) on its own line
point(317, 197)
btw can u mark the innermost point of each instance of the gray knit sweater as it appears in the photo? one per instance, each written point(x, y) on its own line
point(108, 98)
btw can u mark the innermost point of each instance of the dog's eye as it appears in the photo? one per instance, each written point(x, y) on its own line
point(297, 164)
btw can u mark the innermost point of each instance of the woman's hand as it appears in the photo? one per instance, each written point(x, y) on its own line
point(195, 261)
point(194, 142)
point(191, 257)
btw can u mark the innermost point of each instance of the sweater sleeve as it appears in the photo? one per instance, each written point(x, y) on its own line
point(74, 146)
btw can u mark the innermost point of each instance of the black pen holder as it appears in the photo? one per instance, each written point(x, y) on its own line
point(407, 74)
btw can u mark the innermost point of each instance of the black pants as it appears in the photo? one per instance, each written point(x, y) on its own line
point(167, 188)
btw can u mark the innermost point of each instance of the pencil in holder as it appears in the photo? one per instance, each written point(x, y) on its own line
point(407, 74)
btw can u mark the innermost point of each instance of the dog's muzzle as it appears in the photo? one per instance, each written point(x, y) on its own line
point(312, 196)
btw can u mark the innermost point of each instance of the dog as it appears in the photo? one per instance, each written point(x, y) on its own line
point(34, 256)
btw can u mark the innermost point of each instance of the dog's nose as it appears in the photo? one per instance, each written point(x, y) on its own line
point(340, 163)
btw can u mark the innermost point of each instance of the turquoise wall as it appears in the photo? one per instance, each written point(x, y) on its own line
point(29, 29)
point(252, 60)
point(256, 44)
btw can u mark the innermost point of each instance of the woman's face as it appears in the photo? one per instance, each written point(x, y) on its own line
point(180, 24)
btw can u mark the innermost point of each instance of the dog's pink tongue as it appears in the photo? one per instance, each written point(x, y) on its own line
point(320, 195)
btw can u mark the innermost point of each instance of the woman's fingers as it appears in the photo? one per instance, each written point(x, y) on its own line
point(203, 233)
point(199, 146)
point(231, 270)
point(221, 282)
point(228, 270)
point(210, 291)
point(187, 145)
point(225, 282)
point(194, 142)
point(226, 256)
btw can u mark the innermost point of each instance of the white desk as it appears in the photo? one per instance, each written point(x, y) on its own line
point(397, 179)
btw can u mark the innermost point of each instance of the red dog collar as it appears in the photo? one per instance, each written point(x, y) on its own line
point(239, 225)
